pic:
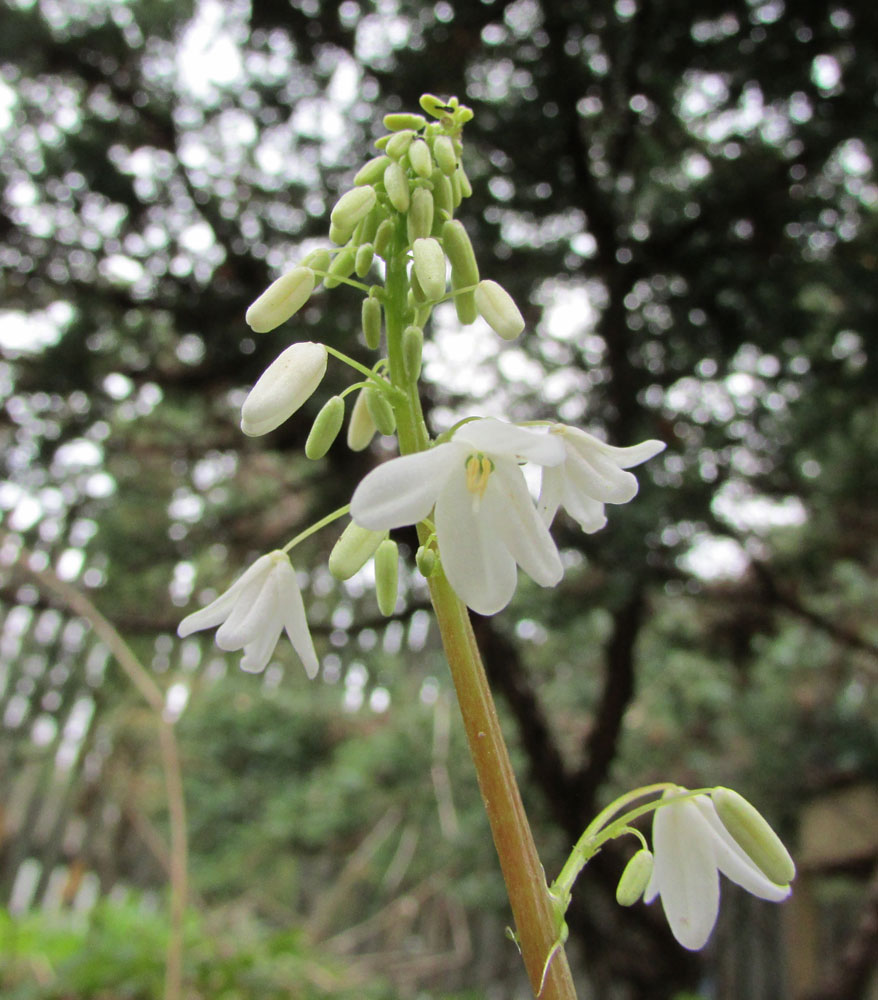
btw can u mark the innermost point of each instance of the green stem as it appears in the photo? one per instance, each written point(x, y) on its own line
point(532, 907)
point(334, 516)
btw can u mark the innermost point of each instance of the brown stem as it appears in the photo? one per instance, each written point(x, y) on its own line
point(535, 920)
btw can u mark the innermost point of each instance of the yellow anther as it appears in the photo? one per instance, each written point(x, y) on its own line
point(478, 469)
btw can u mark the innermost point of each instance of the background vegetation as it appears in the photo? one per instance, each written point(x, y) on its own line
point(683, 199)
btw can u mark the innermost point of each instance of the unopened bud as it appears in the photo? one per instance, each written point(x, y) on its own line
point(354, 548)
point(498, 309)
point(434, 106)
point(380, 410)
point(466, 189)
point(419, 221)
point(325, 428)
point(386, 576)
point(383, 238)
point(443, 151)
point(456, 195)
point(282, 299)
point(363, 260)
point(361, 426)
point(464, 302)
point(460, 252)
point(398, 122)
point(398, 144)
point(318, 260)
point(430, 267)
point(412, 349)
point(635, 878)
point(397, 186)
point(371, 317)
point(443, 196)
point(420, 159)
point(425, 560)
point(341, 267)
point(365, 232)
point(372, 171)
point(283, 387)
point(754, 836)
point(353, 206)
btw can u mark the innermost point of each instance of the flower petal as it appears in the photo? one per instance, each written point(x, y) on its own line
point(625, 458)
point(292, 611)
point(478, 565)
point(403, 490)
point(510, 512)
point(251, 614)
point(587, 512)
point(495, 437)
point(219, 609)
point(551, 493)
point(593, 474)
point(685, 872)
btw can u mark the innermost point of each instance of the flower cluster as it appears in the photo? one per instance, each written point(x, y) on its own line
point(396, 238)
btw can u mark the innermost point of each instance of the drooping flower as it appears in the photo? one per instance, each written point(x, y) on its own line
point(591, 475)
point(485, 519)
point(691, 847)
point(283, 387)
point(253, 612)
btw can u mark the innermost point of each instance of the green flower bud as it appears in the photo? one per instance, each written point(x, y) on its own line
point(382, 142)
point(460, 252)
point(371, 317)
point(753, 835)
point(466, 189)
point(398, 122)
point(386, 576)
point(341, 267)
point(463, 115)
point(430, 267)
point(317, 260)
point(338, 235)
point(435, 106)
point(354, 548)
point(325, 428)
point(412, 348)
point(425, 559)
point(398, 144)
point(417, 294)
point(380, 410)
point(498, 309)
point(443, 199)
point(397, 186)
point(372, 171)
point(383, 238)
point(363, 260)
point(420, 159)
point(419, 221)
point(353, 206)
point(456, 195)
point(282, 299)
point(443, 153)
point(464, 302)
point(370, 225)
point(635, 878)
point(361, 426)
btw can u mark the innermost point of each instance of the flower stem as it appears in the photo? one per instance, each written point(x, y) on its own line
point(535, 915)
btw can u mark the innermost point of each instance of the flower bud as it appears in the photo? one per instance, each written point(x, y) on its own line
point(380, 410)
point(635, 878)
point(419, 221)
point(383, 238)
point(386, 576)
point(283, 387)
point(354, 548)
point(372, 171)
point(397, 186)
point(367, 229)
point(412, 348)
point(371, 317)
point(398, 144)
point(443, 196)
point(282, 299)
point(430, 267)
point(417, 296)
point(361, 426)
point(443, 153)
point(456, 195)
point(325, 428)
point(338, 235)
point(400, 121)
point(353, 206)
point(464, 302)
point(460, 252)
point(466, 189)
point(420, 159)
point(753, 835)
point(498, 309)
point(341, 267)
point(434, 106)
point(425, 560)
point(317, 260)
point(363, 260)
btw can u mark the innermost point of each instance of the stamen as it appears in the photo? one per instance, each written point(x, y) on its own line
point(478, 470)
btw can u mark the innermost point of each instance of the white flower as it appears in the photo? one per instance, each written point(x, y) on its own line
point(591, 475)
point(287, 383)
point(254, 611)
point(485, 518)
point(691, 847)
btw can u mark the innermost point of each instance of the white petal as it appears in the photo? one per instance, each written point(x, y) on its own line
point(589, 513)
point(494, 437)
point(250, 616)
point(734, 862)
point(219, 609)
point(685, 872)
point(293, 613)
point(283, 387)
point(478, 565)
point(593, 474)
point(551, 492)
point(509, 510)
point(403, 490)
point(625, 458)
